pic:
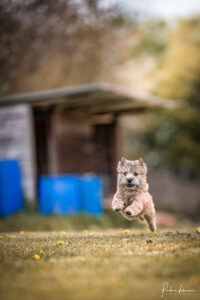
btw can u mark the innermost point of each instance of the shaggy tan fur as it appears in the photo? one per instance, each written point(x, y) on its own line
point(132, 198)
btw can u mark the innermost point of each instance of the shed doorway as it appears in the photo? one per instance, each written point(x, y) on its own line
point(70, 143)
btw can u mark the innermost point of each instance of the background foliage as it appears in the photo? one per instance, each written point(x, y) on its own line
point(175, 135)
point(50, 44)
point(170, 139)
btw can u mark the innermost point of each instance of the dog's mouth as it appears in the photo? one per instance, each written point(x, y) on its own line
point(129, 185)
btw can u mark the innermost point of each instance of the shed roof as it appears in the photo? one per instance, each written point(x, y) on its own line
point(95, 98)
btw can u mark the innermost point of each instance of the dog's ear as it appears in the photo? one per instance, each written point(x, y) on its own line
point(142, 163)
point(121, 163)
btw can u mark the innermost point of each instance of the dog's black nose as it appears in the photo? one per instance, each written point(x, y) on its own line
point(129, 180)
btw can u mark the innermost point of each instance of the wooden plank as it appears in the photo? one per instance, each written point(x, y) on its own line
point(17, 142)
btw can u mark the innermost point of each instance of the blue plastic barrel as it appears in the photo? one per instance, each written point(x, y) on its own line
point(92, 194)
point(59, 194)
point(11, 195)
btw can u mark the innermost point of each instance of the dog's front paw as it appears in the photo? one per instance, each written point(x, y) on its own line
point(117, 209)
point(130, 212)
point(117, 206)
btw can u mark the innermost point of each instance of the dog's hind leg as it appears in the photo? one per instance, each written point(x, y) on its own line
point(151, 221)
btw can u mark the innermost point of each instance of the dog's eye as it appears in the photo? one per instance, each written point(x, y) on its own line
point(125, 173)
point(135, 174)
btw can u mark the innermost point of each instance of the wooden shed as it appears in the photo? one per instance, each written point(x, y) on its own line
point(69, 130)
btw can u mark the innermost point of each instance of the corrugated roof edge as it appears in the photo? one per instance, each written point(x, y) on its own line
point(81, 89)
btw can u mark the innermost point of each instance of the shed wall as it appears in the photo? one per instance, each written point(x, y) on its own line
point(16, 142)
point(76, 144)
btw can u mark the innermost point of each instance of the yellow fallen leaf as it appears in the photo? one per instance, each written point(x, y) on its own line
point(52, 252)
point(63, 232)
point(125, 240)
point(41, 252)
point(115, 281)
point(21, 232)
point(12, 236)
point(1, 236)
point(36, 256)
point(60, 243)
point(126, 231)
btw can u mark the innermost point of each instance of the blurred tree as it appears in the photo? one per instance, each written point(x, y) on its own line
point(48, 44)
point(142, 44)
point(179, 76)
point(172, 139)
point(152, 38)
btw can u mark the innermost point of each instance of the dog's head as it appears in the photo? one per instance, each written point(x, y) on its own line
point(132, 173)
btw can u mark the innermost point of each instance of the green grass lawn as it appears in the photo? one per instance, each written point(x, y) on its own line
point(33, 221)
point(109, 264)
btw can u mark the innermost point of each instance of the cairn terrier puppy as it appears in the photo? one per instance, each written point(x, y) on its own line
point(132, 198)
